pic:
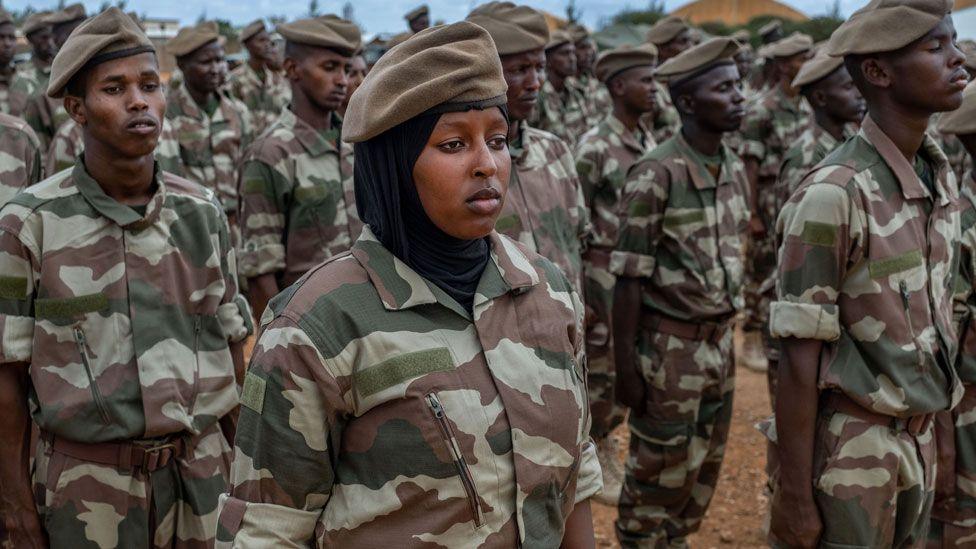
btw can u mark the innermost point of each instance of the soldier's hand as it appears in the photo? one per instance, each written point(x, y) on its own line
point(756, 226)
point(630, 389)
point(795, 522)
point(24, 530)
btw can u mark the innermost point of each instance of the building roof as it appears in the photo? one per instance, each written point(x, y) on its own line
point(739, 12)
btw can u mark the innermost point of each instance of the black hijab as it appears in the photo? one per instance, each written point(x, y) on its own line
point(387, 201)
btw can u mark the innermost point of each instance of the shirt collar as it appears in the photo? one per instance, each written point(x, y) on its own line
point(700, 175)
point(120, 214)
point(626, 136)
point(911, 186)
point(315, 142)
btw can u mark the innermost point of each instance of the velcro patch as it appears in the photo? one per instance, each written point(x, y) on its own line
point(253, 186)
point(390, 372)
point(253, 394)
point(13, 287)
point(685, 218)
point(816, 233)
point(70, 306)
point(888, 266)
point(311, 194)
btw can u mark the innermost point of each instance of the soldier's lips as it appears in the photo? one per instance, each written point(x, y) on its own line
point(960, 79)
point(142, 126)
point(485, 202)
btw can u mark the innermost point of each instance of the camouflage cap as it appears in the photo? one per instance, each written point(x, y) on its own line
point(793, 44)
point(578, 32)
point(109, 35)
point(886, 25)
point(330, 32)
point(770, 28)
point(190, 39)
point(615, 61)
point(35, 22)
point(69, 14)
point(961, 121)
point(5, 17)
point(251, 29)
point(665, 30)
point(439, 66)
point(820, 66)
point(558, 38)
point(694, 61)
point(416, 12)
point(515, 29)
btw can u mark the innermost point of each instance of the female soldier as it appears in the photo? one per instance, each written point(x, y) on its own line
point(425, 389)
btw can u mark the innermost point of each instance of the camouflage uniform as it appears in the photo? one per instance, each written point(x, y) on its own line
point(959, 160)
point(544, 208)
point(264, 97)
point(564, 114)
point(664, 120)
point(298, 203)
point(125, 320)
point(599, 102)
point(6, 79)
point(68, 144)
point(210, 147)
point(378, 413)
point(25, 82)
point(867, 266)
point(20, 165)
point(28, 100)
point(681, 235)
point(603, 157)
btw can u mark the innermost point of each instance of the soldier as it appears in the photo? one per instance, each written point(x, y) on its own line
point(118, 308)
point(772, 125)
point(679, 284)
point(298, 205)
point(8, 48)
point(598, 99)
point(545, 209)
point(771, 32)
point(33, 76)
point(670, 36)
point(865, 287)
point(563, 108)
point(604, 155)
point(744, 61)
point(20, 165)
point(213, 129)
point(357, 72)
point(68, 143)
point(263, 91)
point(398, 395)
point(418, 18)
point(64, 21)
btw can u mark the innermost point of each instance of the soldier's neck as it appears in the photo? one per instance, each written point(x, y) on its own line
point(628, 117)
point(514, 130)
point(257, 65)
point(558, 82)
point(309, 113)
point(787, 89)
point(128, 181)
point(200, 97)
point(704, 141)
point(829, 124)
point(905, 128)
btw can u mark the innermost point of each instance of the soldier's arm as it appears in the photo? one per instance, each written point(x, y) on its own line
point(264, 197)
point(752, 151)
point(579, 528)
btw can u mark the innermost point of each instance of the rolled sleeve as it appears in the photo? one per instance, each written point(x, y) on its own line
point(235, 319)
point(641, 215)
point(264, 197)
point(589, 482)
point(632, 265)
point(246, 525)
point(804, 321)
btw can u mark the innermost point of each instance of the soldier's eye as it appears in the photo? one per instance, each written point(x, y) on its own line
point(454, 145)
point(498, 143)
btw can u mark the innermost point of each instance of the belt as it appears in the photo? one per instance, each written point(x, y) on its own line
point(147, 456)
point(914, 426)
point(699, 331)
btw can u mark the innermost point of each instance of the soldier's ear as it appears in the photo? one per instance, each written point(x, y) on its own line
point(876, 72)
point(685, 103)
point(75, 106)
point(291, 69)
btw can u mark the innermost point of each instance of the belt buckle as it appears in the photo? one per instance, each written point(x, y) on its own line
point(156, 456)
point(899, 424)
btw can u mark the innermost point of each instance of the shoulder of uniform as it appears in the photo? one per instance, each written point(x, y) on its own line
point(14, 123)
point(546, 270)
point(272, 146)
point(532, 135)
point(320, 287)
point(845, 162)
point(178, 186)
point(58, 186)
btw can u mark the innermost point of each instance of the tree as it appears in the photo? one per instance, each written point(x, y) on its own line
point(313, 8)
point(573, 12)
point(652, 14)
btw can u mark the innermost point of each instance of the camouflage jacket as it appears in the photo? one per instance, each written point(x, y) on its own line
point(298, 202)
point(598, 100)
point(867, 265)
point(565, 114)
point(771, 126)
point(959, 160)
point(6, 80)
point(45, 115)
point(681, 232)
point(544, 208)
point(812, 146)
point(68, 144)
point(376, 408)
point(124, 318)
point(264, 97)
point(965, 296)
point(603, 156)
point(664, 120)
point(211, 148)
point(20, 157)
point(25, 82)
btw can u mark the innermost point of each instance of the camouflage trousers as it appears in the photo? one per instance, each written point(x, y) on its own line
point(954, 515)
point(606, 414)
point(677, 444)
point(85, 504)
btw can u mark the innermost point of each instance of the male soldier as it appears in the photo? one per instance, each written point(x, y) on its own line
point(35, 75)
point(604, 155)
point(118, 305)
point(544, 208)
point(357, 72)
point(8, 48)
point(298, 204)
point(771, 32)
point(744, 60)
point(865, 286)
point(418, 19)
point(598, 100)
point(679, 281)
point(563, 108)
point(772, 125)
point(65, 21)
point(213, 129)
point(671, 36)
point(20, 165)
point(262, 90)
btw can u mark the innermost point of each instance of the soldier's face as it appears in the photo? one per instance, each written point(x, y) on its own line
point(838, 95)
point(561, 60)
point(322, 76)
point(788, 67)
point(715, 99)
point(585, 56)
point(357, 73)
point(927, 75)
point(524, 74)
point(635, 87)
point(203, 69)
point(8, 43)
point(743, 62)
point(678, 44)
point(420, 23)
point(259, 46)
point(123, 106)
point(462, 173)
point(42, 43)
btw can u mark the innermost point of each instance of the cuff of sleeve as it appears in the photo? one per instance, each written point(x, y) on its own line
point(235, 318)
point(16, 338)
point(261, 260)
point(804, 321)
point(590, 479)
point(631, 265)
point(256, 525)
point(752, 148)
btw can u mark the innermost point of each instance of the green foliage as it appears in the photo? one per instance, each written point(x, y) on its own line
point(652, 14)
point(313, 8)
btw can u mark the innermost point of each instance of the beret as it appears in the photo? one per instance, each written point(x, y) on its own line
point(446, 64)
point(665, 30)
point(35, 22)
point(190, 39)
point(742, 36)
point(515, 29)
point(820, 66)
point(615, 61)
point(770, 27)
point(5, 17)
point(961, 121)
point(251, 29)
point(694, 61)
point(398, 39)
point(416, 12)
point(886, 25)
point(791, 45)
point(578, 32)
point(969, 48)
point(109, 35)
point(327, 31)
point(558, 38)
point(71, 13)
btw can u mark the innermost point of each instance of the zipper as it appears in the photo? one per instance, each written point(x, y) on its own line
point(463, 473)
point(903, 289)
point(196, 357)
point(96, 394)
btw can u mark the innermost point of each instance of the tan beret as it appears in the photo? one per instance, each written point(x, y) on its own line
point(71, 13)
point(693, 61)
point(820, 66)
point(109, 35)
point(770, 27)
point(578, 32)
point(961, 121)
point(190, 39)
point(251, 29)
point(793, 44)
point(398, 39)
point(5, 17)
point(613, 62)
point(558, 38)
point(330, 32)
point(515, 29)
point(448, 64)
point(416, 12)
point(887, 25)
point(665, 30)
point(35, 22)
